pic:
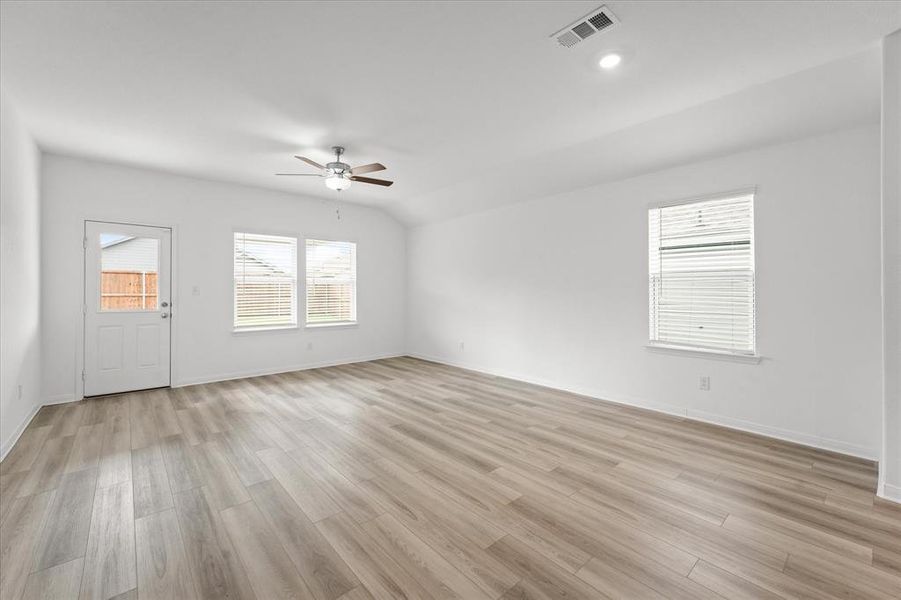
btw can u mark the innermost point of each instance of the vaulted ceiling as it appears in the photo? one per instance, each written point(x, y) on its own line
point(470, 105)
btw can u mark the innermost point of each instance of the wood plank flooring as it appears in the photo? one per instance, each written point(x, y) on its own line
point(402, 478)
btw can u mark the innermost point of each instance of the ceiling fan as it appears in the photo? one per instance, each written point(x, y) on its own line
point(339, 175)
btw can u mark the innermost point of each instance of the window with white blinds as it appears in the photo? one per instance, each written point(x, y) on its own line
point(265, 281)
point(331, 282)
point(701, 274)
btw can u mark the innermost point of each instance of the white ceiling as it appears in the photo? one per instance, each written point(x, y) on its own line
point(468, 104)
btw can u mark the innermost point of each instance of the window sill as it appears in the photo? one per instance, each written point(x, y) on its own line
point(331, 325)
point(263, 329)
point(704, 353)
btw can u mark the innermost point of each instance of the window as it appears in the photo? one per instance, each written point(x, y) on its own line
point(331, 282)
point(701, 274)
point(128, 272)
point(265, 281)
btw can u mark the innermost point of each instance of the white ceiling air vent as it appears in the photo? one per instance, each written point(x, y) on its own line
point(595, 21)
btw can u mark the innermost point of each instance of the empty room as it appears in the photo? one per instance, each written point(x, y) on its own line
point(469, 300)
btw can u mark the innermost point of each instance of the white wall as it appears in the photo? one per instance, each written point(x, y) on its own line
point(890, 467)
point(205, 214)
point(554, 291)
point(20, 279)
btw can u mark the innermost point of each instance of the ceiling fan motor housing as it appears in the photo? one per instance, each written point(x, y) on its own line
point(338, 167)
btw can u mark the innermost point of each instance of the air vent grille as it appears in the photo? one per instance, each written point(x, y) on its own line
point(597, 20)
point(583, 30)
point(601, 21)
point(568, 38)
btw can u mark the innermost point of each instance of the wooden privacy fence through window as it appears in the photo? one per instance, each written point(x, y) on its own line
point(128, 290)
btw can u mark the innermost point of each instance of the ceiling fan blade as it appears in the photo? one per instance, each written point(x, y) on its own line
point(312, 163)
point(367, 168)
point(383, 182)
point(301, 174)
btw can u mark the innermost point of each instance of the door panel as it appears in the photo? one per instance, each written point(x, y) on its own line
point(148, 346)
point(110, 347)
point(127, 307)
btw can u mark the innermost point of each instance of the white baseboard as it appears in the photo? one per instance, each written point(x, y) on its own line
point(60, 399)
point(890, 492)
point(8, 444)
point(787, 435)
point(185, 381)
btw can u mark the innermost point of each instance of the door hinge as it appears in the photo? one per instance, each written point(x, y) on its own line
point(82, 374)
point(84, 243)
point(84, 309)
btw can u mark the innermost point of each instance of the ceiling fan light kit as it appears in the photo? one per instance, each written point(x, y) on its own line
point(339, 175)
point(337, 181)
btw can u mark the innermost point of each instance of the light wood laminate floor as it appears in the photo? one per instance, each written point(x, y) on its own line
point(401, 478)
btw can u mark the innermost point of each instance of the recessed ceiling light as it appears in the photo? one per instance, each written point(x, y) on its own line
point(610, 61)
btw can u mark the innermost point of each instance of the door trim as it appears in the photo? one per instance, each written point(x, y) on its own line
point(81, 336)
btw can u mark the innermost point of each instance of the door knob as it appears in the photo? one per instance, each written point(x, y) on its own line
point(164, 315)
point(164, 304)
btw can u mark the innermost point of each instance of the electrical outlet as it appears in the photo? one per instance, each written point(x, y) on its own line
point(462, 346)
point(309, 345)
point(19, 391)
point(704, 383)
point(195, 290)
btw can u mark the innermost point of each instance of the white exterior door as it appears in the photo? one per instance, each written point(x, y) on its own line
point(127, 307)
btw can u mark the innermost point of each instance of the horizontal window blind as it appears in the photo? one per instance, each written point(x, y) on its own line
point(701, 274)
point(265, 280)
point(331, 282)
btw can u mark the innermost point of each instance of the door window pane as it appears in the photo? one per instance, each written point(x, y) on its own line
point(129, 267)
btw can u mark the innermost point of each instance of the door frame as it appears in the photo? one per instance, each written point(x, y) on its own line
point(175, 305)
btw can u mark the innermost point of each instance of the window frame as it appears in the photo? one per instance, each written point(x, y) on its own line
point(753, 356)
point(306, 284)
point(237, 329)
